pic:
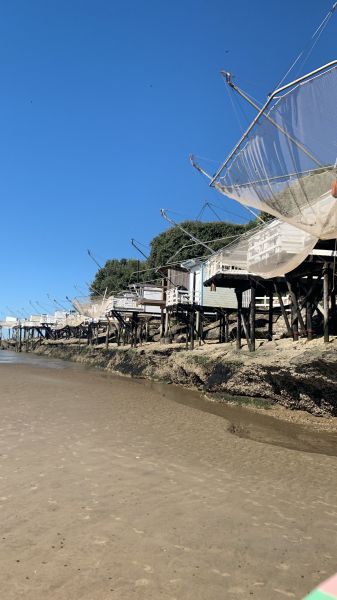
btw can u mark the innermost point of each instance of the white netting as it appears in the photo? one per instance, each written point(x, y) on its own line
point(70, 321)
point(287, 164)
point(94, 309)
point(271, 250)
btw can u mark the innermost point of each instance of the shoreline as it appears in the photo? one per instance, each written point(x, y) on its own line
point(109, 484)
point(296, 382)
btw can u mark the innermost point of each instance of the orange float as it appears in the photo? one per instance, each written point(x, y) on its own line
point(334, 189)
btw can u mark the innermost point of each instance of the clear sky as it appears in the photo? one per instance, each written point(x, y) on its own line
point(101, 103)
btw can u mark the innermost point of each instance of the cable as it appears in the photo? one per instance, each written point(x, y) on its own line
point(236, 112)
point(312, 43)
point(312, 47)
point(141, 244)
point(94, 259)
point(198, 217)
point(229, 212)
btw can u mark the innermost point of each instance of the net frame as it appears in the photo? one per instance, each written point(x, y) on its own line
point(309, 206)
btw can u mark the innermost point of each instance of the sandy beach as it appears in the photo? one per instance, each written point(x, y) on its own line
point(110, 489)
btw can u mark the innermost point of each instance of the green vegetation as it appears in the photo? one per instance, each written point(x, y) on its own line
point(242, 400)
point(116, 275)
point(165, 246)
point(173, 245)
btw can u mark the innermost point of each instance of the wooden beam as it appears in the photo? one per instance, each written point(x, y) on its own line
point(226, 327)
point(252, 312)
point(333, 310)
point(107, 335)
point(308, 306)
point(297, 316)
point(283, 310)
point(246, 332)
point(326, 302)
point(270, 315)
point(238, 319)
point(220, 319)
point(197, 325)
point(192, 328)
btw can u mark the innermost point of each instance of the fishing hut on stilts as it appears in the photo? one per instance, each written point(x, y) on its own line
point(285, 165)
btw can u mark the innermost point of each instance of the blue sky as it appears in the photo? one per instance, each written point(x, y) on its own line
point(101, 103)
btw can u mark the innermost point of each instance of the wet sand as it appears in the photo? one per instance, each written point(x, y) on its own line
point(110, 489)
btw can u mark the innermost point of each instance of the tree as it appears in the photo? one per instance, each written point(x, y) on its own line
point(116, 275)
point(174, 245)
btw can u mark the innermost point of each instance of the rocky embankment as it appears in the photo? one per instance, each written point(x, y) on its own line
point(299, 375)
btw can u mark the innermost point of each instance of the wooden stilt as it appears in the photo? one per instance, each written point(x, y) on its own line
point(219, 315)
point(246, 331)
point(333, 311)
point(294, 321)
point(308, 307)
point(283, 310)
point(226, 327)
point(201, 327)
point(297, 317)
point(166, 326)
point(238, 319)
point(326, 302)
point(252, 311)
point(107, 335)
point(20, 339)
point(270, 315)
point(197, 326)
point(187, 330)
point(162, 323)
point(192, 316)
point(136, 325)
point(170, 335)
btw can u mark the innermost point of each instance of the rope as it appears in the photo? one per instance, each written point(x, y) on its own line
point(210, 160)
point(142, 244)
point(236, 112)
point(312, 43)
point(201, 211)
point(229, 212)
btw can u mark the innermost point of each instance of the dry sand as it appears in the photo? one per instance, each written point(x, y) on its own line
point(109, 489)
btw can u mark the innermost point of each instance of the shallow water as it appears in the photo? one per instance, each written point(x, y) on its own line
point(240, 421)
point(21, 358)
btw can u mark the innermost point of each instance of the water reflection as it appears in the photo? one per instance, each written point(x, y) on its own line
point(21, 358)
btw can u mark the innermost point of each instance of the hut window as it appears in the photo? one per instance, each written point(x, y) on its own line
point(213, 287)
